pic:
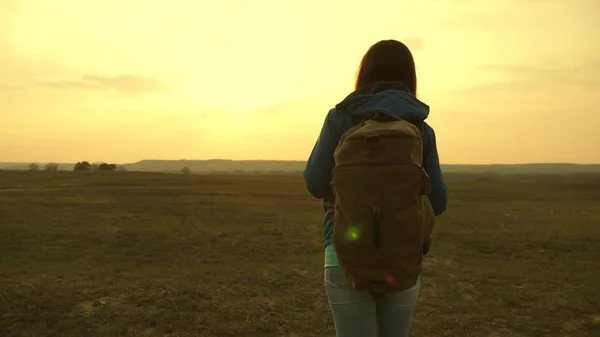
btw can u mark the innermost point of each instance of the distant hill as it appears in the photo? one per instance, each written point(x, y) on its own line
point(224, 165)
point(542, 168)
point(217, 165)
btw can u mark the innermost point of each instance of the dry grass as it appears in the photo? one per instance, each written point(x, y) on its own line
point(143, 254)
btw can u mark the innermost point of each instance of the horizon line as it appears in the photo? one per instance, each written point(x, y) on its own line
point(285, 160)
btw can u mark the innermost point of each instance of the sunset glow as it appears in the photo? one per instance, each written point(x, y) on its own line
point(508, 81)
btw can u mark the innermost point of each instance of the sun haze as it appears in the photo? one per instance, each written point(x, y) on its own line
point(508, 81)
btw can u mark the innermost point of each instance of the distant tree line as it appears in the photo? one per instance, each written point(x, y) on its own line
point(47, 167)
point(80, 166)
point(100, 166)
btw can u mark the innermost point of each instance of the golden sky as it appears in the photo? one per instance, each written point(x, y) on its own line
point(508, 81)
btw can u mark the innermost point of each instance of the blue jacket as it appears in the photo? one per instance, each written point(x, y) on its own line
point(348, 113)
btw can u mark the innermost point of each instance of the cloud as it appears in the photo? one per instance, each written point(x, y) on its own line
point(413, 44)
point(285, 106)
point(585, 75)
point(8, 8)
point(586, 67)
point(125, 84)
point(526, 86)
point(10, 88)
point(513, 16)
point(476, 2)
point(74, 85)
point(8, 12)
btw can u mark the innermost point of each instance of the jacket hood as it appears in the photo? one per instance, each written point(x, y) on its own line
point(392, 97)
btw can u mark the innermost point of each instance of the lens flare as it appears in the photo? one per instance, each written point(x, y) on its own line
point(353, 233)
point(390, 280)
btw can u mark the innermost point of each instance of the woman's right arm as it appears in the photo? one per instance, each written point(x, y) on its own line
point(431, 163)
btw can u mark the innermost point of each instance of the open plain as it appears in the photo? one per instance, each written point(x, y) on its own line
point(152, 254)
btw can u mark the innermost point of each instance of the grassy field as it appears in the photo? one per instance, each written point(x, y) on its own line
point(145, 254)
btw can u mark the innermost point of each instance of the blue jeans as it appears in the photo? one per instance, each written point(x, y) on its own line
point(356, 314)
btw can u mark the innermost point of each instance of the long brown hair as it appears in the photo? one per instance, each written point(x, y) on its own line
point(388, 60)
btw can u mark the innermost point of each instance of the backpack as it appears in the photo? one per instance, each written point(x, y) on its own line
point(383, 217)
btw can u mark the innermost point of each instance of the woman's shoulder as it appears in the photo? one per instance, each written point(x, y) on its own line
point(427, 133)
point(426, 128)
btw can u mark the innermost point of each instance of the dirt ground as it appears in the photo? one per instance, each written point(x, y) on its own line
point(148, 254)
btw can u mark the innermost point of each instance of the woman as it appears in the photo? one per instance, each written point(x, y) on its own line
point(386, 80)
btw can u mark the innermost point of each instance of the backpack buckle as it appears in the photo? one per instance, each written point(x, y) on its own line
point(426, 186)
point(378, 289)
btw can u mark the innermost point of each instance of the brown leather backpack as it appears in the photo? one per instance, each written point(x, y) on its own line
point(383, 216)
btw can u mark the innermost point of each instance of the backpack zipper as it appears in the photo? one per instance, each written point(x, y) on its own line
point(390, 135)
point(425, 184)
point(392, 163)
point(376, 228)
